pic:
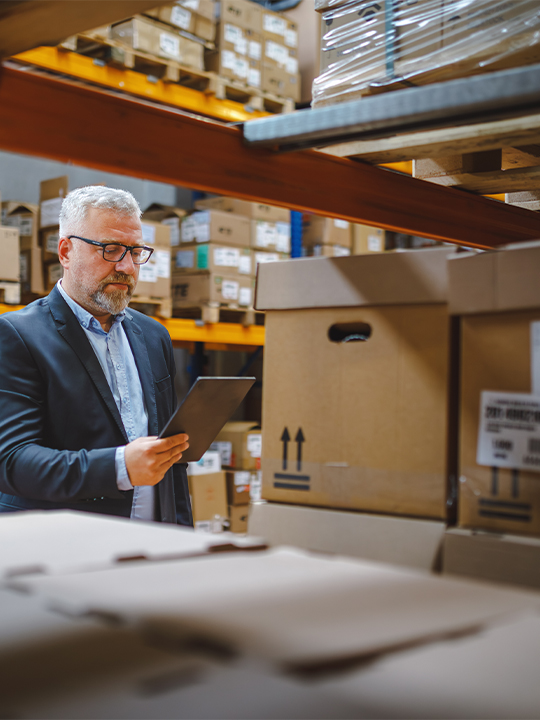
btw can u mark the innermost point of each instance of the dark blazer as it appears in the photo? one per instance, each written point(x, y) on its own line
point(59, 424)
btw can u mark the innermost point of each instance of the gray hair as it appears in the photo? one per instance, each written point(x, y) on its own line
point(76, 204)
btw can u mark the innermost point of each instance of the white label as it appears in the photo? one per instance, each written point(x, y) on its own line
point(244, 265)
point(255, 486)
point(232, 33)
point(245, 297)
point(202, 234)
point(340, 251)
point(148, 234)
point(10, 220)
point(291, 38)
point(24, 268)
point(224, 448)
point(181, 17)
point(229, 290)
point(169, 44)
point(52, 243)
point(241, 68)
point(163, 263)
point(242, 477)
point(26, 226)
point(254, 50)
point(254, 445)
point(341, 224)
point(50, 212)
point(184, 259)
point(509, 434)
point(535, 358)
point(264, 257)
point(374, 243)
point(55, 272)
point(174, 225)
point(283, 240)
point(226, 257)
point(241, 46)
point(265, 234)
point(276, 52)
point(209, 463)
point(188, 230)
point(191, 4)
point(254, 77)
point(273, 24)
point(228, 60)
point(291, 66)
point(148, 271)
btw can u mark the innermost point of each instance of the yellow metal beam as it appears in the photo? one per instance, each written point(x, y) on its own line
point(135, 83)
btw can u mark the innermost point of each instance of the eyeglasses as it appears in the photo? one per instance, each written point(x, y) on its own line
point(114, 252)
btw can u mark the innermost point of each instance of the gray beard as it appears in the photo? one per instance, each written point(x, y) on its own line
point(112, 302)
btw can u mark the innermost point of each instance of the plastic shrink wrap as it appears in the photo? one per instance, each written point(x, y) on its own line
point(369, 47)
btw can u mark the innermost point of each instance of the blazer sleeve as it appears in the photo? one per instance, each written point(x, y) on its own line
point(28, 469)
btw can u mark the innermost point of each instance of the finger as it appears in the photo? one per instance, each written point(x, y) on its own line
point(165, 444)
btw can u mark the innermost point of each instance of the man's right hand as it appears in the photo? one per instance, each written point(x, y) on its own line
point(149, 458)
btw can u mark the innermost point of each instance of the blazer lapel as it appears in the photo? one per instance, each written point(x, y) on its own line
point(140, 353)
point(68, 326)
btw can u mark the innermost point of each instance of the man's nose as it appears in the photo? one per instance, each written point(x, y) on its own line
point(126, 264)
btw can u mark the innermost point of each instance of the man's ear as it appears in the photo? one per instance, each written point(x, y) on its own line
point(65, 249)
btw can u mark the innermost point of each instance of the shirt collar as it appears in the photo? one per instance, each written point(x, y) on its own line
point(86, 319)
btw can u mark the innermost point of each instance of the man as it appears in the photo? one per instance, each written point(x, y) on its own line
point(86, 385)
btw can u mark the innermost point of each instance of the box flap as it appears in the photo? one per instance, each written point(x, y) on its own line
point(395, 278)
point(57, 187)
point(14, 207)
point(65, 541)
point(158, 212)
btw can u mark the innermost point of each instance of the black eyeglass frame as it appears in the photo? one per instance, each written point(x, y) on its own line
point(129, 248)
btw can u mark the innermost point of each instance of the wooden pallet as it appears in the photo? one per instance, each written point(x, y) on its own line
point(252, 98)
point(153, 306)
point(210, 313)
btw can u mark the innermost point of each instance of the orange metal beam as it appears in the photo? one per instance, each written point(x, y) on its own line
point(72, 123)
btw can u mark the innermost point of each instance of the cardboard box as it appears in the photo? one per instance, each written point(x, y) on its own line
point(240, 445)
point(244, 13)
point(167, 215)
point(216, 226)
point(498, 298)
point(481, 555)
point(186, 18)
point(238, 485)
point(53, 272)
point(49, 244)
point(211, 288)
point(284, 82)
point(155, 275)
point(325, 251)
point(382, 538)
point(271, 236)
point(367, 239)
point(215, 258)
point(208, 498)
point(279, 28)
point(355, 408)
point(238, 56)
point(10, 292)
point(261, 256)
point(9, 247)
point(24, 217)
point(326, 231)
point(51, 194)
point(145, 35)
point(253, 210)
point(209, 463)
point(238, 518)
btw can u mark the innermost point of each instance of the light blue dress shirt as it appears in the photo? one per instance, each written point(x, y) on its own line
point(118, 364)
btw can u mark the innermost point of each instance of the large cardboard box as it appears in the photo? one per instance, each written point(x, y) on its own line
point(494, 557)
point(9, 248)
point(208, 288)
point(367, 239)
point(238, 487)
point(497, 296)
point(155, 276)
point(355, 406)
point(208, 499)
point(167, 215)
point(382, 538)
point(215, 258)
point(326, 231)
point(253, 210)
point(240, 445)
point(216, 226)
point(244, 13)
point(23, 216)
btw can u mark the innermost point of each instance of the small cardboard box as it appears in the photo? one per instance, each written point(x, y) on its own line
point(481, 555)
point(271, 235)
point(367, 239)
point(155, 275)
point(24, 217)
point(355, 409)
point(253, 210)
point(215, 258)
point(211, 288)
point(238, 485)
point(51, 194)
point(9, 247)
point(216, 226)
point(497, 296)
point(326, 231)
point(240, 445)
point(208, 497)
point(244, 13)
point(238, 518)
point(167, 215)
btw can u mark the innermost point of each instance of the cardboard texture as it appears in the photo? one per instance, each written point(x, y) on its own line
point(37, 542)
point(9, 246)
point(367, 239)
point(155, 276)
point(253, 210)
point(293, 609)
point(215, 258)
point(244, 13)
point(208, 493)
point(488, 290)
point(382, 538)
point(216, 226)
point(244, 439)
point(326, 231)
point(238, 518)
point(508, 559)
point(207, 288)
point(355, 411)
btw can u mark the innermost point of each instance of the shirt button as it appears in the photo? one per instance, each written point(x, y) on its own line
point(118, 366)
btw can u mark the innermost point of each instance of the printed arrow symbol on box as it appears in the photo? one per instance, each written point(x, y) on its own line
point(285, 438)
point(299, 440)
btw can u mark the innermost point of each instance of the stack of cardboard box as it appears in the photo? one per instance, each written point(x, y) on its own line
point(25, 217)
point(280, 74)
point(10, 289)
point(51, 194)
point(197, 17)
point(331, 237)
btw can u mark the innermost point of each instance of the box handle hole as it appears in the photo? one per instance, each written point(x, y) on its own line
point(349, 332)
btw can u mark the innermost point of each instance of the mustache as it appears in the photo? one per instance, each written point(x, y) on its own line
point(118, 277)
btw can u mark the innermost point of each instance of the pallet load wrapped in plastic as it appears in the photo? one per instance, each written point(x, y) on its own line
point(370, 47)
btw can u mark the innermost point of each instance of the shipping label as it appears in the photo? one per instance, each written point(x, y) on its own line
point(341, 224)
point(224, 448)
point(254, 444)
point(226, 257)
point(254, 77)
point(274, 25)
point(232, 33)
point(169, 45)
point(148, 271)
point(254, 50)
point(50, 212)
point(163, 263)
point(148, 234)
point(244, 265)
point(291, 38)
point(374, 243)
point(283, 237)
point(535, 358)
point(180, 17)
point(291, 66)
point(229, 290)
point(174, 226)
point(245, 297)
point(184, 259)
point(52, 243)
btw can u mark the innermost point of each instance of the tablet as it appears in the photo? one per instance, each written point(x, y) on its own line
point(209, 404)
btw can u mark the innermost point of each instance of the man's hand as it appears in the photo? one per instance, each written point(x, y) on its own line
point(149, 458)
